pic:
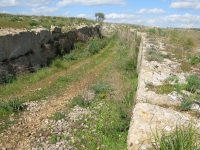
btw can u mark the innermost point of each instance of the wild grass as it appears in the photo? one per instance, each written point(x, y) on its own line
point(107, 127)
point(79, 101)
point(194, 59)
point(182, 138)
point(54, 87)
point(10, 106)
point(186, 104)
point(193, 83)
point(29, 22)
point(58, 116)
point(154, 55)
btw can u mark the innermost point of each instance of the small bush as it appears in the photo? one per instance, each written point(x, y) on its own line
point(70, 56)
point(194, 60)
point(54, 138)
point(154, 55)
point(189, 42)
point(33, 23)
point(47, 26)
point(131, 65)
point(10, 78)
point(152, 31)
point(101, 88)
point(61, 25)
point(186, 104)
point(58, 63)
point(182, 138)
point(10, 106)
point(58, 116)
point(94, 47)
point(64, 79)
point(80, 101)
point(193, 83)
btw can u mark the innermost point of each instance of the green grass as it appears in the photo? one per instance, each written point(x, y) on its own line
point(10, 106)
point(194, 59)
point(193, 83)
point(107, 127)
point(182, 138)
point(58, 116)
point(28, 22)
point(79, 101)
point(56, 87)
point(186, 104)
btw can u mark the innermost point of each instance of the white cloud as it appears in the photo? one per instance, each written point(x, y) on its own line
point(66, 13)
point(150, 11)
point(32, 3)
point(44, 10)
point(184, 21)
point(6, 3)
point(91, 2)
point(142, 11)
point(120, 16)
point(186, 4)
point(86, 16)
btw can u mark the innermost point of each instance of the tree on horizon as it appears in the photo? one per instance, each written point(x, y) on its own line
point(100, 17)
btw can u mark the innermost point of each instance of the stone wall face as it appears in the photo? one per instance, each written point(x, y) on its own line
point(154, 112)
point(24, 51)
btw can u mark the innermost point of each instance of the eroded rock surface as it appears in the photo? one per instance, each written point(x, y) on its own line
point(24, 51)
point(149, 115)
point(149, 119)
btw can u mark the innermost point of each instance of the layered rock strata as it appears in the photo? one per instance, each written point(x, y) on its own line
point(24, 51)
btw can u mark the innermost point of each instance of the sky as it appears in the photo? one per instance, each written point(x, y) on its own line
point(157, 13)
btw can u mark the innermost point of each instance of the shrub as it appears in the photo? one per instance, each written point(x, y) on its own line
point(61, 25)
point(193, 83)
point(10, 106)
point(186, 104)
point(101, 87)
point(70, 56)
point(131, 65)
point(58, 116)
point(189, 42)
point(33, 23)
point(194, 60)
point(93, 47)
point(15, 19)
point(80, 101)
point(152, 31)
point(64, 79)
point(10, 78)
point(47, 26)
point(154, 55)
point(58, 63)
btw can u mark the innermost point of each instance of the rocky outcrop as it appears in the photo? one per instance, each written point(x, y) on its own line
point(24, 51)
point(149, 116)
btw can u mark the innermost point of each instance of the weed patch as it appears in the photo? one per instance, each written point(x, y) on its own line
point(193, 83)
point(102, 88)
point(182, 138)
point(186, 104)
point(154, 55)
point(58, 116)
point(10, 106)
point(195, 59)
point(80, 101)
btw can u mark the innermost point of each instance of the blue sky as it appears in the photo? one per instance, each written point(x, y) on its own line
point(159, 13)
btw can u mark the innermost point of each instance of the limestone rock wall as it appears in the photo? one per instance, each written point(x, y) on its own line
point(155, 113)
point(24, 51)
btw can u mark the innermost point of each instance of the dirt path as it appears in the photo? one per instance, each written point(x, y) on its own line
point(48, 80)
point(20, 135)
